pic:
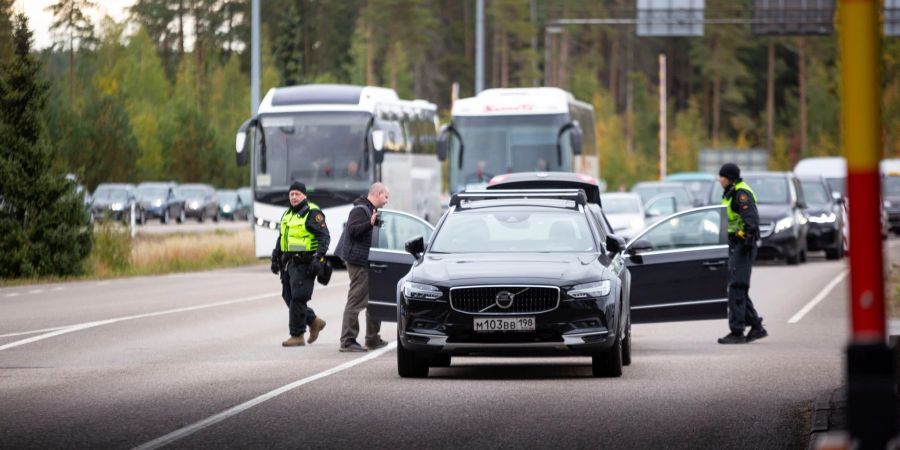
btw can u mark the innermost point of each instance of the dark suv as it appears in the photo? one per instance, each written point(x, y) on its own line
point(514, 272)
point(825, 210)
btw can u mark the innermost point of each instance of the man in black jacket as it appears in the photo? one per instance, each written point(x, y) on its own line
point(357, 241)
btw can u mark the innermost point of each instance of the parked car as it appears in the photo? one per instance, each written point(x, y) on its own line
point(246, 196)
point(200, 201)
point(662, 198)
point(890, 192)
point(114, 201)
point(231, 206)
point(783, 223)
point(698, 183)
point(825, 209)
point(625, 213)
point(159, 200)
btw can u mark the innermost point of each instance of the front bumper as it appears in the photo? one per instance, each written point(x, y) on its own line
point(782, 245)
point(154, 211)
point(894, 219)
point(823, 236)
point(579, 327)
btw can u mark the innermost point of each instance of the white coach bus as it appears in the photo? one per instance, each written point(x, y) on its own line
point(502, 131)
point(338, 140)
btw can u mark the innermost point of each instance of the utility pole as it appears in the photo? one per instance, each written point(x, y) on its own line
point(254, 57)
point(871, 400)
point(535, 81)
point(662, 116)
point(479, 46)
point(770, 99)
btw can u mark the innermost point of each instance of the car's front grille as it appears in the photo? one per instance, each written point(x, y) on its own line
point(765, 229)
point(504, 299)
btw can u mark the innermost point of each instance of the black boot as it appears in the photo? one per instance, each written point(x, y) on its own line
point(757, 332)
point(735, 337)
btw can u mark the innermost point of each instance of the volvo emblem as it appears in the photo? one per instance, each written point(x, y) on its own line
point(504, 299)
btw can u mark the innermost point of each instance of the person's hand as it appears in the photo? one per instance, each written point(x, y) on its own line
point(275, 266)
point(374, 218)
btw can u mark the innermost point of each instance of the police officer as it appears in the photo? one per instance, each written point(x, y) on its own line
point(299, 255)
point(743, 232)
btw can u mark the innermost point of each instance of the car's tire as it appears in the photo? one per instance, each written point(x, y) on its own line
point(803, 255)
point(793, 260)
point(181, 217)
point(834, 253)
point(440, 360)
point(609, 363)
point(408, 364)
point(200, 218)
point(164, 218)
point(626, 347)
point(217, 217)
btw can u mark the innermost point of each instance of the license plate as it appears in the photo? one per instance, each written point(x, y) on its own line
point(494, 324)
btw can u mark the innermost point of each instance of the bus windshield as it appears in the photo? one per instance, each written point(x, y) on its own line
point(495, 145)
point(325, 150)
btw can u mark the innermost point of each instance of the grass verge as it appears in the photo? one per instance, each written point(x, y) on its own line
point(893, 293)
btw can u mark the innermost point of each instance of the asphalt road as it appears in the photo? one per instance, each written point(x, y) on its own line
point(158, 360)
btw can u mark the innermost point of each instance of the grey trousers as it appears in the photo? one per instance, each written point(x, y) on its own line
point(358, 300)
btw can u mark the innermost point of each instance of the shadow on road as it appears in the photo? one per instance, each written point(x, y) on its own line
point(526, 371)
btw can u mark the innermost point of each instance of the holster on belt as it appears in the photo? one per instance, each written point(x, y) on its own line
point(296, 258)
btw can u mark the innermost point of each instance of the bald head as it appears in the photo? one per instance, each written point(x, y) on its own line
point(378, 194)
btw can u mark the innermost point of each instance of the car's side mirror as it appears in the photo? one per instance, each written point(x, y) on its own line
point(802, 204)
point(615, 244)
point(242, 141)
point(837, 197)
point(640, 246)
point(415, 246)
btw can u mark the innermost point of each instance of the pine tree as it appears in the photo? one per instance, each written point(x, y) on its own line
point(44, 229)
point(70, 22)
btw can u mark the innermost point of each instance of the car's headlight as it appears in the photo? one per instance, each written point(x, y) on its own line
point(591, 290)
point(824, 218)
point(157, 203)
point(784, 224)
point(226, 208)
point(116, 206)
point(887, 203)
point(419, 291)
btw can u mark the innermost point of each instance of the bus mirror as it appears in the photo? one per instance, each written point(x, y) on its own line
point(443, 143)
point(242, 143)
point(575, 138)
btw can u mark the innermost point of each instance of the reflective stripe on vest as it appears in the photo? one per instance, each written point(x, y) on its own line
point(294, 235)
point(735, 222)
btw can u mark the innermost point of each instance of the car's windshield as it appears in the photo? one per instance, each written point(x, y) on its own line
point(192, 192)
point(838, 185)
point(769, 190)
point(891, 186)
point(621, 205)
point(815, 193)
point(494, 145)
point(229, 197)
point(514, 230)
point(153, 192)
point(111, 195)
point(647, 192)
point(245, 195)
point(324, 149)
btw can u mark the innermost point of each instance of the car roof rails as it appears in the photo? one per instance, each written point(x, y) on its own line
point(576, 195)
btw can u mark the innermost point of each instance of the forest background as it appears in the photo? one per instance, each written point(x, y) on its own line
point(159, 95)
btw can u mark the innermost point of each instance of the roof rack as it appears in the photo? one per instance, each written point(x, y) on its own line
point(576, 195)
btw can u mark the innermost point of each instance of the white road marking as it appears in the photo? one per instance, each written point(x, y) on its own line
point(212, 420)
point(819, 297)
point(22, 333)
point(12, 294)
point(36, 291)
point(83, 326)
point(58, 288)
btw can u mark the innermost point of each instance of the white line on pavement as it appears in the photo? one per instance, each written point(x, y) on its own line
point(212, 420)
point(22, 333)
point(819, 297)
point(83, 326)
point(36, 291)
point(12, 294)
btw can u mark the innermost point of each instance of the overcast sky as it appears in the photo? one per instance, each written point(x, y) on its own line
point(39, 19)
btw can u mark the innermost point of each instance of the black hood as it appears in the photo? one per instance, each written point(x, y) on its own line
point(555, 269)
point(772, 212)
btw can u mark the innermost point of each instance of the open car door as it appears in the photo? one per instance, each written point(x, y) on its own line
point(679, 267)
point(389, 261)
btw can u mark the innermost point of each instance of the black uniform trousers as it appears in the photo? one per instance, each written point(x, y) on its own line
point(741, 312)
point(296, 289)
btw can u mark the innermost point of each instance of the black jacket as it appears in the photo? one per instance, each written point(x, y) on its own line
point(742, 203)
point(358, 231)
point(315, 223)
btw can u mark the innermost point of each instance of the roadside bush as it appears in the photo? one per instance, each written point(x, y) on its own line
point(112, 250)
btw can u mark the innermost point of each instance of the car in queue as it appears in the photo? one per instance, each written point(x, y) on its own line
point(783, 222)
point(625, 213)
point(698, 183)
point(890, 194)
point(115, 201)
point(825, 209)
point(662, 198)
point(231, 206)
point(245, 194)
point(200, 201)
point(160, 201)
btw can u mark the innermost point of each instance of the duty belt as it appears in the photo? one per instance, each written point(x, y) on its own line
point(297, 257)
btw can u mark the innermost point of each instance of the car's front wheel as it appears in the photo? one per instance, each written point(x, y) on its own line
point(626, 346)
point(609, 363)
point(408, 364)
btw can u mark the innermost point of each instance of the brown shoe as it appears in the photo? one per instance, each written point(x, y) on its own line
point(314, 328)
point(294, 341)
